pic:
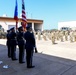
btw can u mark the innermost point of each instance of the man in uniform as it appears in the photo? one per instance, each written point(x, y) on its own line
point(61, 34)
point(39, 35)
point(66, 35)
point(13, 43)
point(53, 37)
point(29, 46)
point(21, 44)
point(8, 43)
point(74, 34)
point(71, 36)
point(44, 36)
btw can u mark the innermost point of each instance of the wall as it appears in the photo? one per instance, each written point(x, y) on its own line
point(38, 26)
point(70, 24)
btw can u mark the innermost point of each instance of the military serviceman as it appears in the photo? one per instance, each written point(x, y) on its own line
point(53, 37)
point(29, 46)
point(13, 43)
point(74, 34)
point(57, 34)
point(39, 35)
point(8, 43)
point(71, 35)
point(21, 44)
point(66, 35)
point(44, 36)
point(61, 35)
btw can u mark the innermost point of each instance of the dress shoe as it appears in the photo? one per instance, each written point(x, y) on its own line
point(21, 62)
point(14, 59)
point(30, 66)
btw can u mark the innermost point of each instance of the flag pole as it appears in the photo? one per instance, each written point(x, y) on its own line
point(16, 25)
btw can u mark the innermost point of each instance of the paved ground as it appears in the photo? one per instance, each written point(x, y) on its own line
point(58, 59)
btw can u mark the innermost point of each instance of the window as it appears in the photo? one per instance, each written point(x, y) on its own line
point(0, 27)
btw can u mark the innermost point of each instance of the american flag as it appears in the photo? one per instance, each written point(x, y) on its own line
point(24, 20)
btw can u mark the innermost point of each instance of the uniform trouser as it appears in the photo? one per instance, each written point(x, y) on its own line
point(61, 39)
point(9, 50)
point(21, 53)
point(13, 52)
point(29, 57)
point(53, 40)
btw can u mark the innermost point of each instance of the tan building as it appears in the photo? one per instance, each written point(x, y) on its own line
point(8, 22)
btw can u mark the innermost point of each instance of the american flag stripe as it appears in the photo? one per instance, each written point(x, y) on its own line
point(24, 20)
point(23, 16)
point(23, 12)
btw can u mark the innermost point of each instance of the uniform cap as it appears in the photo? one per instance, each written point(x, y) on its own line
point(28, 27)
point(12, 28)
point(20, 28)
point(8, 30)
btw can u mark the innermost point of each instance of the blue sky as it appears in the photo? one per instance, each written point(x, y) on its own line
point(50, 11)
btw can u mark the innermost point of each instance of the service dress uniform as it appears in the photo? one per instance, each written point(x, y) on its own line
point(29, 46)
point(8, 43)
point(21, 45)
point(13, 43)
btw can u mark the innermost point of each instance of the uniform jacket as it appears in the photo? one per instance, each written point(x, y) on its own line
point(30, 40)
point(20, 38)
point(8, 39)
point(13, 38)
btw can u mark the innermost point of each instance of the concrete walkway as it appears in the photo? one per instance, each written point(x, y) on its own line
point(58, 59)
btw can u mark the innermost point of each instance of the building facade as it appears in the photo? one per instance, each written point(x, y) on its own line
point(8, 22)
point(67, 25)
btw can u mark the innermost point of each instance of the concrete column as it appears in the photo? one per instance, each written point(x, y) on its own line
point(42, 27)
point(33, 25)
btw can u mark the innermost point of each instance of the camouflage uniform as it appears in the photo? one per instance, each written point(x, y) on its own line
point(66, 35)
point(74, 34)
point(53, 37)
point(44, 36)
point(39, 35)
point(71, 36)
point(61, 34)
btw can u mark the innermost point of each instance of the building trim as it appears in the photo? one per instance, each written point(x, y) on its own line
point(20, 20)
